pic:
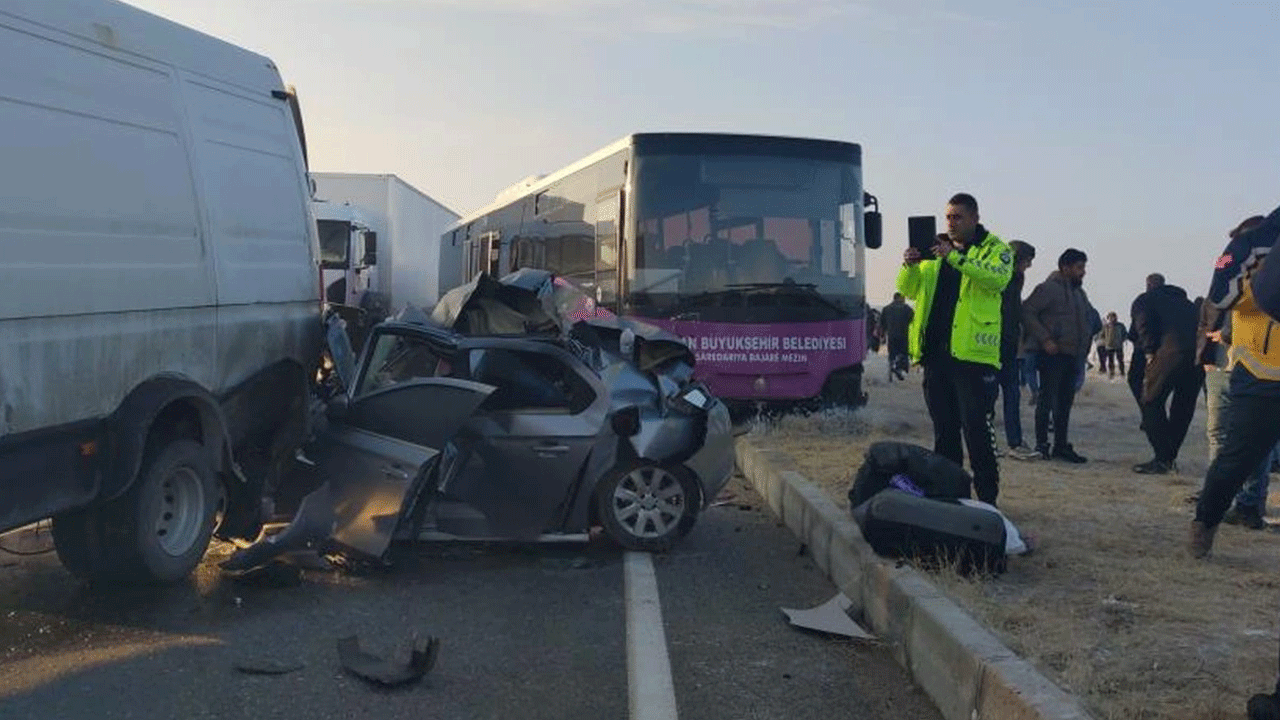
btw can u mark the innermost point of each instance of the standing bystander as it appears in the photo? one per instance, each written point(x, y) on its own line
point(895, 320)
point(1164, 322)
point(1264, 287)
point(1057, 317)
point(1010, 375)
point(1112, 347)
point(955, 334)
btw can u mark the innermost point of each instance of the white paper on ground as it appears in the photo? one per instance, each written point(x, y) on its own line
point(1013, 544)
point(829, 617)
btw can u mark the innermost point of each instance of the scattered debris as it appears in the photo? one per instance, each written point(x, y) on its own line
point(725, 498)
point(1118, 612)
point(277, 574)
point(28, 541)
point(268, 666)
point(313, 523)
point(831, 617)
point(1114, 602)
point(389, 673)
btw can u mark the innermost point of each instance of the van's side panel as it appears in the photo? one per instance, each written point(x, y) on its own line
point(249, 165)
point(133, 147)
point(103, 278)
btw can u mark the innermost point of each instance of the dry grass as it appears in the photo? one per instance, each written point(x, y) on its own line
point(1109, 605)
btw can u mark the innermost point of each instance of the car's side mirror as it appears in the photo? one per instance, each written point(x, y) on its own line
point(338, 408)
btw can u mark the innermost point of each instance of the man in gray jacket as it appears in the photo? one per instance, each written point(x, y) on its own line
point(1056, 316)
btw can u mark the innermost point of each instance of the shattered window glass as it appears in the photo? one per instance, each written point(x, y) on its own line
point(400, 358)
point(529, 381)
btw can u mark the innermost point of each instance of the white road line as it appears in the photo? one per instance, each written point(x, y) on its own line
point(652, 694)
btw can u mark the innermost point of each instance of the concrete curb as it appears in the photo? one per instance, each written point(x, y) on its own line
point(967, 672)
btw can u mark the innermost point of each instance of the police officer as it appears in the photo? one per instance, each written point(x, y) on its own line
point(955, 335)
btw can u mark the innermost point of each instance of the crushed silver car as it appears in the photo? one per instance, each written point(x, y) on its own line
point(516, 411)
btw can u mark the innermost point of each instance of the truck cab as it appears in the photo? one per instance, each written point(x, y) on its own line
point(348, 253)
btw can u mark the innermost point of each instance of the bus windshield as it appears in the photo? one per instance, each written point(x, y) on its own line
point(708, 224)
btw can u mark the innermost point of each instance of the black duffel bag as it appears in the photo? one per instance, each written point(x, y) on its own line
point(932, 473)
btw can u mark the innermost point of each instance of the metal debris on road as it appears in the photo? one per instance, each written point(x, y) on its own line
point(389, 673)
point(830, 617)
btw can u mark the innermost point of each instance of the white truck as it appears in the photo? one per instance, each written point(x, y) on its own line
point(380, 243)
point(160, 309)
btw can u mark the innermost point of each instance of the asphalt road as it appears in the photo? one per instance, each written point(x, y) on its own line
point(526, 632)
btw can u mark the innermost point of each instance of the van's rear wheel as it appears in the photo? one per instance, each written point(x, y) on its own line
point(156, 532)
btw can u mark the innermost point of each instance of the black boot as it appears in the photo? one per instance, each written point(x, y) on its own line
point(1154, 467)
point(1263, 707)
point(1069, 454)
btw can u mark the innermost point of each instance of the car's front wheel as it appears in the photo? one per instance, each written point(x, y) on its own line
point(647, 506)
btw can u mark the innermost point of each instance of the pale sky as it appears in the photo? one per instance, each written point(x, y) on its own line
point(1135, 130)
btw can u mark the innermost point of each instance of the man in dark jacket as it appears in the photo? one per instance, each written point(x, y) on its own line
point(1243, 263)
point(895, 319)
point(1008, 379)
point(1252, 430)
point(1164, 322)
point(1266, 285)
point(1056, 315)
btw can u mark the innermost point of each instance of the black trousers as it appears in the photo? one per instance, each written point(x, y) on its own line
point(1108, 358)
point(1166, 429)
point(958, 395)
point(898, 358)
point(1253, 428)
point(1058, 375)
point(1137, 374)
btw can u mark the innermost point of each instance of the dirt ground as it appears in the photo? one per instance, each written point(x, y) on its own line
point(1109, 604)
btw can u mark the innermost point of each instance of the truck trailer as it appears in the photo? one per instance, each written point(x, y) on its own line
point(380, 242)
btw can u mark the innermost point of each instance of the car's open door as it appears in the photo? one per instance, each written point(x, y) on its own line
point(379, 441)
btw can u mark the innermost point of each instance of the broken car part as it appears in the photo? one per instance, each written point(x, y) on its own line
point(386, 672)
point(831, 617)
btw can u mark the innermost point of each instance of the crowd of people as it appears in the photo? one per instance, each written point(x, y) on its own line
point(975, 338)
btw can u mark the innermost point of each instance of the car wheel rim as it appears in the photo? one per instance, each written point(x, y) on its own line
point(181, 511)
point(649, 502)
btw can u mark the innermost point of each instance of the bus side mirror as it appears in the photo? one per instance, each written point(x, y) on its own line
point(872, 228)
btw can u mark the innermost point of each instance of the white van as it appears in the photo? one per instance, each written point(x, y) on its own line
point(159, 285)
